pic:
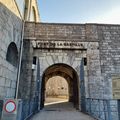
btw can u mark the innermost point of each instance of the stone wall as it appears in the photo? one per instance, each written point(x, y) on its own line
point(109, 37)
point(11, 6)
point(26, 71)
point(10, 31)
point(102, 55)
point(70, 33)
point(55, 31)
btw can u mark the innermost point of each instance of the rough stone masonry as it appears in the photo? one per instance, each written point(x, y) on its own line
point(68, 44)
point(102, 51)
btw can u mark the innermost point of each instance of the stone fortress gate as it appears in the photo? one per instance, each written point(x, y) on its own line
point(86, 55)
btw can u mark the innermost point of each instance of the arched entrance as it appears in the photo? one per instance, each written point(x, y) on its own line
point(71, 77)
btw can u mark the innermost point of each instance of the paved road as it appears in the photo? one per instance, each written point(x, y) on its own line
point(60, 111)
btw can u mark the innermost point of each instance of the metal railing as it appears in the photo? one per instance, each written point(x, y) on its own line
point(103, 109)
point(29, 107)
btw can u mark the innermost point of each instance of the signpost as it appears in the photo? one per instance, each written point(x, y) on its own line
point(10, 106)
point(12, 109)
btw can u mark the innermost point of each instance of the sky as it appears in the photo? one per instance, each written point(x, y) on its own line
point(80, 11)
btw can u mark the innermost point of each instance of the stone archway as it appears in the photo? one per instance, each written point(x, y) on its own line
point(69, 74)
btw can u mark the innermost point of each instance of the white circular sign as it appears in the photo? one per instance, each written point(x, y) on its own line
point(10, 106)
